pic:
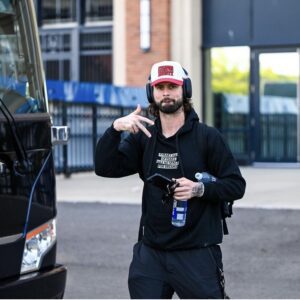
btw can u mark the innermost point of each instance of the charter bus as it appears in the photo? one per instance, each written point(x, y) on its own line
point(28, 267)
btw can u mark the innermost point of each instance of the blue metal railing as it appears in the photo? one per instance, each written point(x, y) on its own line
point(88, 109)
point(87, 122)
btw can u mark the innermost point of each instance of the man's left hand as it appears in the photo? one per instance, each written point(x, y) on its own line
point(188, 189)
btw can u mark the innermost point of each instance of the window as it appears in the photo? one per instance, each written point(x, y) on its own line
point(55, 42)
point(57, 69)
point(98, 10)
point(230, 71)
point(58, 11)
point(96, 41)
point(20, 78)
point(57, 53)
point(81, 51)
point(95, 56)
point(96, 68)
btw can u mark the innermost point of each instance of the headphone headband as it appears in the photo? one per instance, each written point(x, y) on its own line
point(186, 86)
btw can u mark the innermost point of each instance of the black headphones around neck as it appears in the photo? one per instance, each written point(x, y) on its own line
point(187, 88)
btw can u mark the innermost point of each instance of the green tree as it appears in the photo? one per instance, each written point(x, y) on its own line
point(227, 76)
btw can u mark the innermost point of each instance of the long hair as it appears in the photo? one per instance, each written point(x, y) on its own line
point(153, 108)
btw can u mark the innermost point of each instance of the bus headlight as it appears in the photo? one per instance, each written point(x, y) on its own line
point(38, 243)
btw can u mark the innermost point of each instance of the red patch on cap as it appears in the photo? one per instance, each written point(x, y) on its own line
point(165, 70)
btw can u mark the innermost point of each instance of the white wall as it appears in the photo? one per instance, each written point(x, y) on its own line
point(119, 43)
point(186, 42)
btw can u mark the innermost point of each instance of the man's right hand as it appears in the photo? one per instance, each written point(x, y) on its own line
point(133, 122)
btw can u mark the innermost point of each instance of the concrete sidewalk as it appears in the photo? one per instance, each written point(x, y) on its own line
point(277, 188)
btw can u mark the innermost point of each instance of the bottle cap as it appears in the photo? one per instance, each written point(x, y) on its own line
point(198, 176)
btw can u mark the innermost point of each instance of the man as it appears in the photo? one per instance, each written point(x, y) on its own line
point(186, 259)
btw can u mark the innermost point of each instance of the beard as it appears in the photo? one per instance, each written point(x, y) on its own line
point(169, 105)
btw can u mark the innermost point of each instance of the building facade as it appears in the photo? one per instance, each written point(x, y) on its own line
point(100, 40)
point(76, 39)
point(242, 57)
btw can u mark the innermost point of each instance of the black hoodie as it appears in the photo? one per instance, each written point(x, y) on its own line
point(116, 158)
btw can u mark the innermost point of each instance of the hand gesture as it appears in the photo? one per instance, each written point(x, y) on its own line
point(133, 122)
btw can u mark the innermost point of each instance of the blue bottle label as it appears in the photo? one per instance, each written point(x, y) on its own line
point(179, 213)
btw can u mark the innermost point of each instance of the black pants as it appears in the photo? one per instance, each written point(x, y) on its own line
point(190, 273)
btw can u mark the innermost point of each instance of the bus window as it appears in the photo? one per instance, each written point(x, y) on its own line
point(19, 89)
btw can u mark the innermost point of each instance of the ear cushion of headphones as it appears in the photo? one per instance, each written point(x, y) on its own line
point(149, 92)
point(187, 88)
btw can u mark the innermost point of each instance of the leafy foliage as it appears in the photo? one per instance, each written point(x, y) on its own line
point(230, 76)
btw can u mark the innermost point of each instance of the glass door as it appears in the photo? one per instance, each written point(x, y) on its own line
point(276, 106)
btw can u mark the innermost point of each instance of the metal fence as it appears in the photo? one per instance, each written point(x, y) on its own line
point(275, 134)
point(278, 137)
point(235, 128)
point(87, 122)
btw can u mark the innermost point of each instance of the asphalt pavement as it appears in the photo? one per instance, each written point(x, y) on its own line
point(260, 254)
point(98, 223)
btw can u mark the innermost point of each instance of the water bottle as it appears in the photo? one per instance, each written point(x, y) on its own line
point(205, 177)
point(179, 212)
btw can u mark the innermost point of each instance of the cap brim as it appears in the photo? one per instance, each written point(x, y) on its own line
point(169, 80)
